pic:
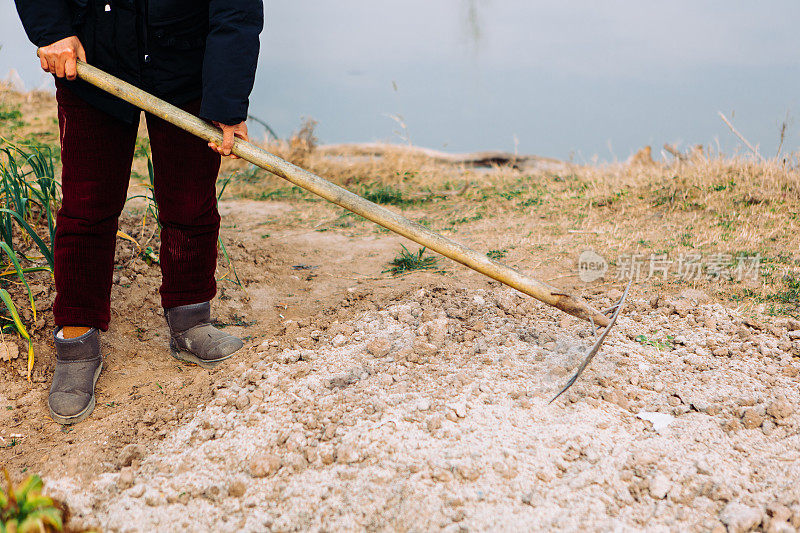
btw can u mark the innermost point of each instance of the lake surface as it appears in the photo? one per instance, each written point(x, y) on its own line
point(578, 79)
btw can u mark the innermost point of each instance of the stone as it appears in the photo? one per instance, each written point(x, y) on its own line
point(683, 307)
point(421, 347)
point(265, 464)
point(346, 454)
point(237, 488)
point(780, 409)
point(125, 479)
point(326, 455)
point(752, 418)
point(659, 486)
point(339, 341)
point(242, 401)
point(379, 346)
point(740, 518)
point(433, 423)
point(130, 453)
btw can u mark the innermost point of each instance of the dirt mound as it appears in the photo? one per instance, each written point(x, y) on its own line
point(433, 413)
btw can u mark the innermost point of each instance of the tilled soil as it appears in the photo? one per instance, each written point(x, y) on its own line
point(432, 412)
point(363, 401)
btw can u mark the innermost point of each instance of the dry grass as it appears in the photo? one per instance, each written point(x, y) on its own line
point(694, 203)
point(697, 202)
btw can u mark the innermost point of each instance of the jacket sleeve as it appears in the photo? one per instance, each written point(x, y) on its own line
point(231, 55)
point(45, 21)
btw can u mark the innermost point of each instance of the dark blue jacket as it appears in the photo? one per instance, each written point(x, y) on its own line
point(179, 50)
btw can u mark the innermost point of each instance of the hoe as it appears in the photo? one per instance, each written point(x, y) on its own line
point(380, 215)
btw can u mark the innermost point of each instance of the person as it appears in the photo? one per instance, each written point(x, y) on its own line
point(200, 55)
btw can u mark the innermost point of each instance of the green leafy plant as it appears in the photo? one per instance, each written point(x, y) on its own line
point(655, 343)
point(407, 261)
point(23, 509)
point(29, 197)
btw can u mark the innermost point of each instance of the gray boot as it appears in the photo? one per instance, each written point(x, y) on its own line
point(194, 340)
point(78, 365)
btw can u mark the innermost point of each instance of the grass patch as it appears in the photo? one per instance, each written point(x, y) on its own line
point(406, 261)
point(497, 254)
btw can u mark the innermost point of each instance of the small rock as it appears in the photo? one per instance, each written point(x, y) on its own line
point(242, 401)
point(740, 518)
point(435, 422)
point(264, 464)
point(129, 454)
point(683, 307)
point(424, 348)
point(253, 376)
point(780, 409)
point(752, 418)
point(137, 491)
point(125, 479)
point(659, 486)
point(379, 346)
point(339, 341)
point(326, 455)
point(237, 488)
point(346, 454)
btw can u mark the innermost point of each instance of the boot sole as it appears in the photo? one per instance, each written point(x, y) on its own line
point(83, 415)
point(189, 357)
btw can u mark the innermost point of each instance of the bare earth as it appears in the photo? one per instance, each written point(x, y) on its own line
point(364, 401)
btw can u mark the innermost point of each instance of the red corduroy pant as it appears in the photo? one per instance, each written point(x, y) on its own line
point(96, 155)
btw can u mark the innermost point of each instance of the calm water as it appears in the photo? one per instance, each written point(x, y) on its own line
point(563, 79)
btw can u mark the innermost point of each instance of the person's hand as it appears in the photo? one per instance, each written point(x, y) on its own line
point(60, 58)
point(228, 133)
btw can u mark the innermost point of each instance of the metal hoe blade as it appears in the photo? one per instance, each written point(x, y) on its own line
point(598, 343)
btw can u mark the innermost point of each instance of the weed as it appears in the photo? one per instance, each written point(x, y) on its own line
point(384, 194)
point(657, 344)
point(497, 254)
point(24, 509)
point(407, 261)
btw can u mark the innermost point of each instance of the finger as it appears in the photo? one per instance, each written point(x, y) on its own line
point(81, 53)
point(43, 61)
point(71, 68)
point(60, 67)
point(227, 141)
point(51, 64)
point(242, 132)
